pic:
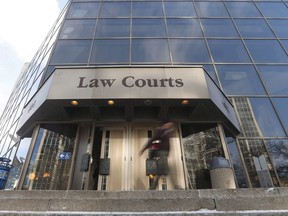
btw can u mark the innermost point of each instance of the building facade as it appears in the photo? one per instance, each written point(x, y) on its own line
point(109, 71)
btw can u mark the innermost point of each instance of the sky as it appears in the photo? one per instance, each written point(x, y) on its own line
point(24, 25)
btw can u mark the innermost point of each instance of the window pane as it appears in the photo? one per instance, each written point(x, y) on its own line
point(281, 105)
point(83, 10)
point(179, 9)
point(278, 151)
point(280, 27)
point(273, 9)
point(266, 118)
point(150, 50)
point(183, 28)
point(219, 28)
point(254, 28)
point(228, 51)
point(189, 51)
point(242, 9)
point(266, 51)
point(239, 80)
point(148, 28)
point(113, 28)
point(144, 9)
point(76, 29)
point(115, 9)
point(285, 44)
point(211, 9)
point(71, 51)
point(275, 79)
point(110, 51)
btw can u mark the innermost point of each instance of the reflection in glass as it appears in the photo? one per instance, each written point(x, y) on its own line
point(179, 9)
point(148, 28)
point(266, 117)
point(251, 150)
point(278, 150)
point(219, 28)
point(236, 162)
point(228, 51)
point(201, 143)
point(273, 9)
point(281, 105)
point(275, 78)
point(83, 10)
point(184, 28)
point(77, 29)
point(257, 117)
point(279, 27)
point(242, 9)
point(239, 80)
point(71, 51)
point(189, 50)
point(115, 9)
point(254, 28)
point(211, 9)
point(110, 51)
point(266, 51)
point(47, 169)
point(142, 9)
point(113, 28)
point(150, 50)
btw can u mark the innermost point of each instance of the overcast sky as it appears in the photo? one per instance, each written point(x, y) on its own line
point(23, 27)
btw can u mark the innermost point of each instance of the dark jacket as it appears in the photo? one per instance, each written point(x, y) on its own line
point(160, 140)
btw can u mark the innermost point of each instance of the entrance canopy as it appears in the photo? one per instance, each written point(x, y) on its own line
point(185, 94)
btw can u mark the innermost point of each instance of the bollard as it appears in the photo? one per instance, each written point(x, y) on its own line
point(221, 174)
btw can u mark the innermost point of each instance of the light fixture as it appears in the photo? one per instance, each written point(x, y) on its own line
point(185, 102)
point(110, 102)
point(74, 102)
point(147, 102)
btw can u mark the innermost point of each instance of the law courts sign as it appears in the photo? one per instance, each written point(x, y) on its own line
point(128, 83)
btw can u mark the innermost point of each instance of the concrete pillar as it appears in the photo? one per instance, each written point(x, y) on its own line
point(221, 174)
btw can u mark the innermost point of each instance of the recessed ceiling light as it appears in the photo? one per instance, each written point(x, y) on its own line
point(74, 102)
point(110, 102)
point(185, 102)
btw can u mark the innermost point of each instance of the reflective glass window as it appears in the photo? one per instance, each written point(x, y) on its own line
point(184, 28)
point(76, 29)
point(115, 9)
point(278, 151)
point(150, 50)
point(143, 9)
point(266, 118)
point(266, 51)
point(113, 28)
point(273, 9)
point(219, 28)
point(148, 28)
point(281, 105)
point(280, 27)
point(110, 51)
point(242, 9)
point(210, 70)
point(179, 9)
point(211, 9)
point(71, 51)
point(239, 80)
point(254, 28)
point(275, 79)
point(189, 50)
point(228, 51)
point(83, 10)
point(285, 44)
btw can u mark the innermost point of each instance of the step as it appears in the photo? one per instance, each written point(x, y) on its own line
point(269, 201)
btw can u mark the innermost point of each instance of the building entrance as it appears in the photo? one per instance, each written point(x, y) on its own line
point(120, 167)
